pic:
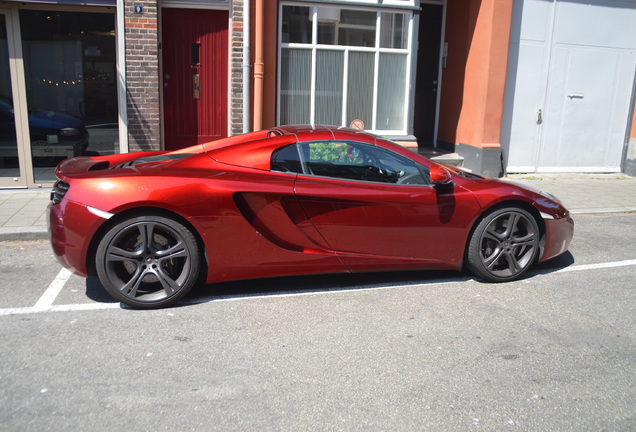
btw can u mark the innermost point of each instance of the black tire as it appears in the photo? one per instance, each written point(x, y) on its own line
point(504, 244)
point(148, 262)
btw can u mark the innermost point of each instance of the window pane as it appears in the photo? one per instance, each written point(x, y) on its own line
point(71, 83)
point(394, 31)
point(296, 25)
point(9, 166)
point(358, 18)
point(295, 86)
point(328, 22)
point(360, 88)
point(327, 33)
point(335, 159)
point(333, 152)
point(362, 162)
point(395, 168)
point(329, 74)
point(287, 159)
point(391, 92)
point(357, 28)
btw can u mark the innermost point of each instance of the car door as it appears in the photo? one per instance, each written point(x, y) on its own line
point(378, 209)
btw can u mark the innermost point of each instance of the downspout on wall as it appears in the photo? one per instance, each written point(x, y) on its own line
point(246, 66)
point(259, 65)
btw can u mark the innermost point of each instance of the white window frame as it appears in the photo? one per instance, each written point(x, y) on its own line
point(346, 50)
point(383, 2)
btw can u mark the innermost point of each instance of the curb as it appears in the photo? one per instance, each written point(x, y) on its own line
point(602, 210)
point(24, 234)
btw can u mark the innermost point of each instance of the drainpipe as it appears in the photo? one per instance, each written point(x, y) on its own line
point(246, 66)
point(259, 65)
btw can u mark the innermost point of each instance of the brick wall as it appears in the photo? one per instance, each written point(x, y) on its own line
point(142, 76)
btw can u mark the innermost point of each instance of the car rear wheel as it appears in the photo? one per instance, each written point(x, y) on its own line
point(148, 261)
point(504, 245)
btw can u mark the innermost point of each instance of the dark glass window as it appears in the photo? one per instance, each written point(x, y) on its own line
point(286, 159)
point(71, 83)
point(296, 24)
point(362, 162)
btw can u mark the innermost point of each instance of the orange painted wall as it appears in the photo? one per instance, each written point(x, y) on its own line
point(633, 132)
point(473, 82)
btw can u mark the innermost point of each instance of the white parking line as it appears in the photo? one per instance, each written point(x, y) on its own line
point(598, 266)
point(45, 303)
point(52, 291)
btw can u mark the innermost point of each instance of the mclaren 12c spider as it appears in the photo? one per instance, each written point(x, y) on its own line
point(291, 200)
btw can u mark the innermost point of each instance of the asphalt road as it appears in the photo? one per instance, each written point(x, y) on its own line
point(424, 351)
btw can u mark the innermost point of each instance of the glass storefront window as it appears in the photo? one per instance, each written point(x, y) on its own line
point(341, 64)
point(9, 164)
point(71, 83)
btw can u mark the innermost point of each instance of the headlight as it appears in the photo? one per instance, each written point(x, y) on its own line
point(69, 132)
point(552, 197)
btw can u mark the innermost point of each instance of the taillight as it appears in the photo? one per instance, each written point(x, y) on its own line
point(59, 190)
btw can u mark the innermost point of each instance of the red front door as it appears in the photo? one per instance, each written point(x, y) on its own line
point(195, 55)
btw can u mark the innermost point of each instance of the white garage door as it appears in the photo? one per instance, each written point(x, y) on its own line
point(570, 82)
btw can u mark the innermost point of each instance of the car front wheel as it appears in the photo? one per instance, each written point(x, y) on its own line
point(504, 245)
point(148, 261)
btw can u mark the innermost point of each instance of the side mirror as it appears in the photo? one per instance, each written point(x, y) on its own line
point(440, 176)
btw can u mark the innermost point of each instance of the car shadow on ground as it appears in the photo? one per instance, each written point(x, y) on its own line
point(96, 291)
point(324, 283)
point(555, 264)
point(304, 284)
point(307, 284)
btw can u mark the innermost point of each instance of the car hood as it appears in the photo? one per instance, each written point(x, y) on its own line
point(490, 192)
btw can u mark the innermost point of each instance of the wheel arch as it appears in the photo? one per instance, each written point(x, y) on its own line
point(135, 212)
point(509, 203)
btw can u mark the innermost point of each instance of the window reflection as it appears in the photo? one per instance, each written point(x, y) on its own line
point(9, 166)
point(338, 26)
point(70, 74)
point(394, 31)
point(296, 24)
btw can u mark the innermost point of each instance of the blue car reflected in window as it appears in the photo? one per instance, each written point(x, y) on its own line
point(54, 136)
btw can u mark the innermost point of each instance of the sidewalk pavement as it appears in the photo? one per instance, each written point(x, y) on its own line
point(23, 212)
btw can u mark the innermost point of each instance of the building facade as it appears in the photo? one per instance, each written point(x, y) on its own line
point(113, 76)
point(521, 86)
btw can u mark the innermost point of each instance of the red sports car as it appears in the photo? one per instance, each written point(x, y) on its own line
point(287, 201)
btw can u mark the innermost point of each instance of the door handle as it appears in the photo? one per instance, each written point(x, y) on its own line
point(196, 88)
point(539, 117)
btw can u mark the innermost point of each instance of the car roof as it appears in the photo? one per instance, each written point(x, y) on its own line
point(311, 132)
point(256, 151)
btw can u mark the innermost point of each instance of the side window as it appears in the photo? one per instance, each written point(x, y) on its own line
point(362, 162)
point(287, 160)
point(334, 159)
point(399, 169)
